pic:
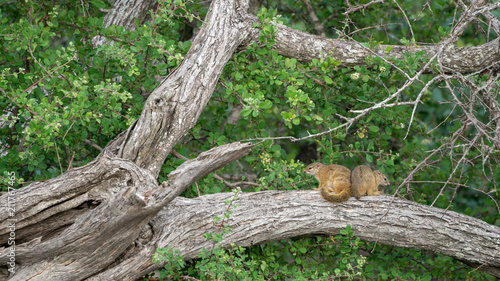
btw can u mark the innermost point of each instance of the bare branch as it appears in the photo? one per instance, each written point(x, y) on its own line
point(217, 177)
point(363, 6)
point(310, 11)
point(407, 21)
point(417, 101)
point(192, 170)
point(91, 143)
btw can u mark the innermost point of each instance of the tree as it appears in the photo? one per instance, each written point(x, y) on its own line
point(273, 84)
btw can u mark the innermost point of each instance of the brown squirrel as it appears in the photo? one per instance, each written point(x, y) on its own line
point(332, 178)
point(365, 181)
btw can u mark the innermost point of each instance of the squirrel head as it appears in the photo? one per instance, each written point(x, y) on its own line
point(312, 169)
point(383, 180)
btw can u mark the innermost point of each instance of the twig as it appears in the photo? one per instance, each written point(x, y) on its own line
point(58, 157)
point(417, 101)
point(454, 170)
point(359, 7)
point(462, 185)
point(407, 20)
point(70, 164)
point(91, 143)
point(310, 11)
point(370, 27)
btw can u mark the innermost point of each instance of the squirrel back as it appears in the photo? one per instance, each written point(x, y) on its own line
point(365, 181)
point(334, 181)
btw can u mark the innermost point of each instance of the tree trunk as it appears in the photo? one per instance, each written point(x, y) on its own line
point(104, 221)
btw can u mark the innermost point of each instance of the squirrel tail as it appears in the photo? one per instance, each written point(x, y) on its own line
point(334, 197)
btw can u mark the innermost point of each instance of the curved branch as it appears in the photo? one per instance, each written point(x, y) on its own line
point(306, 47)
point(273, 215)
point(192, 170)
point(312, 15)
point(174, 106)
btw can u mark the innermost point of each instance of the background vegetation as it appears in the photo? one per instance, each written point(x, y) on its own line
point(62, 99)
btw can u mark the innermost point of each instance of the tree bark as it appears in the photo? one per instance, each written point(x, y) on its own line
point(267, 216)
point(124, 13)
point(74, 226)
point(104, 220)
point(306, 47)
point(175, 105)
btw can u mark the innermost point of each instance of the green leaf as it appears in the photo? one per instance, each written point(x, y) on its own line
point(262, 52)
point(245, 112)
point(98, 4)
point(369, 158)
point(266, 104)
point(214, 189)
point(263, 266)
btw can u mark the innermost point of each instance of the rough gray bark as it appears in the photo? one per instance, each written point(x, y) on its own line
point(175, 105)
point(103, 221)
point(306, 47)
point(115, 200)
point(124, 13)
point(273, 215)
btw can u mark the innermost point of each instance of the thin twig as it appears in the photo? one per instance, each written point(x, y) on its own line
point(310, 11)
point(359, 7)
point(407, 20)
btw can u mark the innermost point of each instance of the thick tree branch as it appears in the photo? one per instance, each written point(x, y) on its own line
point(175, 105)
point(263, 217)
point(98, 205)
point(306, 47)
point(113, 211)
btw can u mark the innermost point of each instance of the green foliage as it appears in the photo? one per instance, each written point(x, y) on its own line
point(280, 174)
point(174, 262)
point(391, 263)
point(62, 93)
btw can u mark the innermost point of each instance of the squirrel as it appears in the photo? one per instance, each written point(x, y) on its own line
point(332, 178)
point(365, 181)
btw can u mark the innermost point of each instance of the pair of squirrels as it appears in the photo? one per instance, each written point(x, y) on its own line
point(337, 183)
